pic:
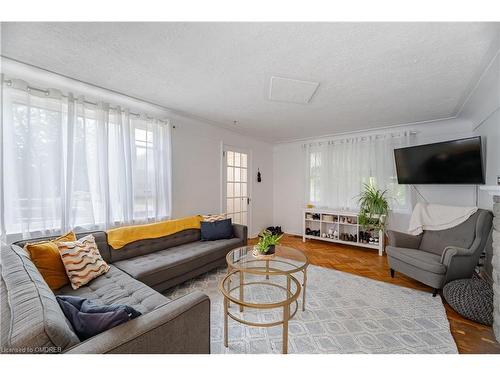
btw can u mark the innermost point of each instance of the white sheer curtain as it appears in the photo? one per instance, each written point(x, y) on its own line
point(69, 164)
point(337, 169)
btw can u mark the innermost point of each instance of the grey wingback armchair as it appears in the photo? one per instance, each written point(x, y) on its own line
point(437, 257)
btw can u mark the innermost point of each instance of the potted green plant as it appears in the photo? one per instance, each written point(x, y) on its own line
point(267, 242)
point(373, 207)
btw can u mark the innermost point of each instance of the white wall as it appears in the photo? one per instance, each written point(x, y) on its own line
point(289, 186)
point(197, 171)
point(483, 111)
point(289, 175)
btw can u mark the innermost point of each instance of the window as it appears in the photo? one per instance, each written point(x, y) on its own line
point(338, 169)
point(69, 163)
point(315, 177)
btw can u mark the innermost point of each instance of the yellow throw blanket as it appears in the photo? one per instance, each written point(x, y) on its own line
point(119, 237)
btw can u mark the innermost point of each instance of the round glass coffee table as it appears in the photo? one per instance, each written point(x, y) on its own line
point(263, 271)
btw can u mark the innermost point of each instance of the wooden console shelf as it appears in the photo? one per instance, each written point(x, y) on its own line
point(339, 227)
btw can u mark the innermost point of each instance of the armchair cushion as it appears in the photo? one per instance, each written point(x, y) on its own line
point(400, 239)
point(418, 258)
point(435, 241)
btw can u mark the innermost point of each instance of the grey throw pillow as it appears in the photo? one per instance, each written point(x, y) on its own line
point(217, 230)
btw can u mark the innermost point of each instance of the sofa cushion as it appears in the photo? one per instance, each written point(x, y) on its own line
point(152, 245)
point(116, 287)
point(154, 268)
point(36, 321)
point(418, 258)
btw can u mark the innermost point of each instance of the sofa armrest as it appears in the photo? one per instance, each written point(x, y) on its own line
point(400, 239)
point(454, 251)
point(241, 232)
point(461, 262)
point(181, 326)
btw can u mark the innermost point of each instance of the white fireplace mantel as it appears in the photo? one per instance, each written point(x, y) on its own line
point(491, 189)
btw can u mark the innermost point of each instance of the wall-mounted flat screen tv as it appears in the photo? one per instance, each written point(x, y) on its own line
point(453, 162)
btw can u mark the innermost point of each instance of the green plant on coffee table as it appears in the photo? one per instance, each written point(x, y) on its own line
point(373, 207)
point(267, 242)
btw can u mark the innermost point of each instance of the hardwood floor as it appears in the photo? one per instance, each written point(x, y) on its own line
point(470, 337)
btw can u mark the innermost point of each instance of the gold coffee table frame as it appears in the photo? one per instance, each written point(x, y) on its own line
point(261, 266)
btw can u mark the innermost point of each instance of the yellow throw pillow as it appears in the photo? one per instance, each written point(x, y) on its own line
point(82, 260)
point(45, 255)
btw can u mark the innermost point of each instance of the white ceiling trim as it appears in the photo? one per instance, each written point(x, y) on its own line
point(474, 88)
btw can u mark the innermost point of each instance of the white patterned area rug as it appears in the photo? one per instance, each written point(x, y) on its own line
point(344, 314)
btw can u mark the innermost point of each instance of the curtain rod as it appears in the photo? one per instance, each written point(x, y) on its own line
point(357, 136)
point(47, 92)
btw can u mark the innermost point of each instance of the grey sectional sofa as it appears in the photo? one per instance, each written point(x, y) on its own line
point(32, 322)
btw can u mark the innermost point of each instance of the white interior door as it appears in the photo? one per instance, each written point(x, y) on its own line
point(236, 192)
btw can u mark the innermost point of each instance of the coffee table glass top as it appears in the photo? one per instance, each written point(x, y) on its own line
point(285, 260)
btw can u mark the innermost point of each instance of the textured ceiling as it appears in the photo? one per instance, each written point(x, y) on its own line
point(370, 74)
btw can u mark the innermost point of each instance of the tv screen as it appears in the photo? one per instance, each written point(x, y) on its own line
point(452, 162)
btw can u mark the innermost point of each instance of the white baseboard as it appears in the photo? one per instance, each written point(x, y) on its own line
point(289, 233)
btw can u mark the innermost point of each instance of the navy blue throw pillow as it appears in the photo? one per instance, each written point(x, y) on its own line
point(217, 230)
point(88, 318)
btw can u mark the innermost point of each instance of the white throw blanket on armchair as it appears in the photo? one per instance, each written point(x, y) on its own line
point(437, 217)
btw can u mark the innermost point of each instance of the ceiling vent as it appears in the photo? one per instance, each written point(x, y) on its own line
point(291, 90)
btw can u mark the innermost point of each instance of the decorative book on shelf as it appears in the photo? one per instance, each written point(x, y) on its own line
point(340, 227)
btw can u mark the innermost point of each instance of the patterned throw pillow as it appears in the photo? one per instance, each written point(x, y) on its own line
point(82, 260)
point(213, 218)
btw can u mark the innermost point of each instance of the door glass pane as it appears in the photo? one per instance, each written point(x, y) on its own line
point(230, 206)
point(230, 189)
point(230, 158)
point(237, 218)
point(236, 186)
point(230, 173)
